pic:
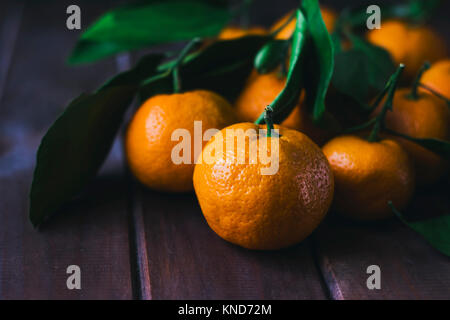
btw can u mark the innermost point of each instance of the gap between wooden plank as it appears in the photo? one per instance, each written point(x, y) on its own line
point(138, 247)
point(324, 278)
point(325, 269)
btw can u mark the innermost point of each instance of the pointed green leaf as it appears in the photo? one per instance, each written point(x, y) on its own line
point(435, 230)
point(149, 23)
point(362, 71)
point(321, 59)
point(271, 55)
point(288, 97)
point(77, 143)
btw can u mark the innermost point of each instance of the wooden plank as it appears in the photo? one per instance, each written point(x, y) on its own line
point(410, 267)
point(92, 232)
point(187, 260)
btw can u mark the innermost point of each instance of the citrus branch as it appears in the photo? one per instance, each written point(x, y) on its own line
point(379, 122)
point(175, 69)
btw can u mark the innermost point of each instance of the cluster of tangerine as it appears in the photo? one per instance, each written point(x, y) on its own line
point(361, 174)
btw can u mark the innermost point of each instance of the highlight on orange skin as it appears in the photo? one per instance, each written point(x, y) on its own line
point(409, 44)
point(234, 32)
point(437, 77)
point(369, 174)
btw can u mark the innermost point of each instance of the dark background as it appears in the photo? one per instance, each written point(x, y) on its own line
point(131, 242)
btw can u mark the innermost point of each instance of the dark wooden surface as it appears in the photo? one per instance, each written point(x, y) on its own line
point(92, 233)
point(131, 242)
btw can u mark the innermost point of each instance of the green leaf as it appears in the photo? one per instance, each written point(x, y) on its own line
point(77, 143)
point(435, 230)
point(212, 68)
point(437, 146)
point(413, 10)
point(381, 64)
point(362, 71)
point(321, 59)
point(336, 40)
point(148, 23)
point(271, 55)
point(288, 97)
point(87, 51)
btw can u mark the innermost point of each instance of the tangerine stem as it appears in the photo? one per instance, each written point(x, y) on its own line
point(268, 119)
point(380, 96)
point(413, 95)
point(379, 122)
point(175, 69)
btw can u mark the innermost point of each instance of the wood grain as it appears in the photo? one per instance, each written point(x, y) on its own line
point(410, 267)
point(189, 261)
point(92, 232)
point(131, 242)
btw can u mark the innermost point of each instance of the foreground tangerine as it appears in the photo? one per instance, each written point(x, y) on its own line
point(149, 143)
point(368, 175)
point(259, 211)
point(409, 44)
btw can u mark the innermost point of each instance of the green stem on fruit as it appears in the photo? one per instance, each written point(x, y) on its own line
point(268, 111)
point(380, 96)
point(175, 69)
point(413, 95)
point(379, 122)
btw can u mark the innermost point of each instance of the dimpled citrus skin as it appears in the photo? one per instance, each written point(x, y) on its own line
point(232, 32)
point(260, 91)
point(427, 117)
point(438, 77)
point(407, 44)
point(148, 142)
point(329, 18)
point(368, 175)
point(265, 212)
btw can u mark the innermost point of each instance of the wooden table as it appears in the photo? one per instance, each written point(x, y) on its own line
point(131, 242)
